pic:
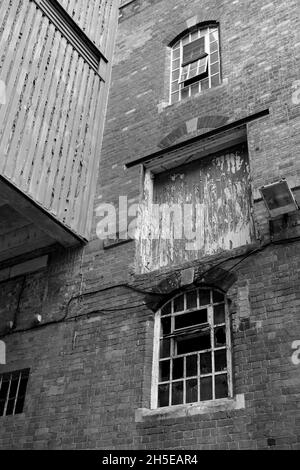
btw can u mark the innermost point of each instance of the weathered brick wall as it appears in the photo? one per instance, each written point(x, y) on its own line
point(91, 367)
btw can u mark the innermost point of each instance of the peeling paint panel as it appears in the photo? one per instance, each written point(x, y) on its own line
point(199, 209)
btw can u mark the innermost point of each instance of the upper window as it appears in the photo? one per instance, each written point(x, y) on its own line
point(192, 349)
point(195, 63)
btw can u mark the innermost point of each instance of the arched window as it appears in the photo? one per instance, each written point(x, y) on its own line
point(192, 353)
point(195, 62)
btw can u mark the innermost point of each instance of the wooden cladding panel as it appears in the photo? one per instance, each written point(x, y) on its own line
point(92, 17)
point(51, 123)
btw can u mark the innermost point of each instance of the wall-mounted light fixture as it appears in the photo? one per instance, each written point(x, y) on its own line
point(38, 319)
point(10, 325)
point(279, 198)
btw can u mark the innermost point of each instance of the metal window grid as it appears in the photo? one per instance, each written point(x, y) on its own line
point(178, 89)
point(211, 326)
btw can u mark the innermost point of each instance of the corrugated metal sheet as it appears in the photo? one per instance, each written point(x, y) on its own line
point(51, 124)
point(202, 208)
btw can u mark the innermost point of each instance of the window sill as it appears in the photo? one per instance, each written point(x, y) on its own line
point(166, 105)
point(181, 411)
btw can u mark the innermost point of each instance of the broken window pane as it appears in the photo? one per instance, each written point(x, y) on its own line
point(220, 360)
point(192, 343)
point(177, 393)
point(219, 314)
point(206, 388)
point(217, 297)
point(205, 363)
point(190, 319)
point(191, 391)
point(178, 368)
point(179, 304)
point(164, 348)
point(164, 371)
point(220, 337)
point(191, 366)
point(191, 299)
point(221, 386)
point(163, 395)
point(166, 326)
point(204, 297)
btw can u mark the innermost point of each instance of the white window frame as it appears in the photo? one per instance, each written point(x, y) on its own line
point(176, 83)
point(213, 374)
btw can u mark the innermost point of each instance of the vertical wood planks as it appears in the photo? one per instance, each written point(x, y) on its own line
point(51, 125)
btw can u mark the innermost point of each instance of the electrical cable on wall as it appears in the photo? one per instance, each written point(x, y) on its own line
point(66, 318)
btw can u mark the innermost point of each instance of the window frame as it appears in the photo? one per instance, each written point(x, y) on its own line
point(16, 399)
point(212, 349)
point(177, 85)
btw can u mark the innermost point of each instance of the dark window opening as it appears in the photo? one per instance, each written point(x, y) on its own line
point(13, 387)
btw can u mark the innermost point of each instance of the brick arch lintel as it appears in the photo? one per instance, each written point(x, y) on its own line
point(213, 277)
point(191, 126)
point(185, 26)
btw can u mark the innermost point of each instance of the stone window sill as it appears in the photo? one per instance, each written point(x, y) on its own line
point(181, 411)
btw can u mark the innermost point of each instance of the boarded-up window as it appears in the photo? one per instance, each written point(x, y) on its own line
point(199, 209)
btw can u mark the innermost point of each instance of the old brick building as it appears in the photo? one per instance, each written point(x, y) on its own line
point(183, 333)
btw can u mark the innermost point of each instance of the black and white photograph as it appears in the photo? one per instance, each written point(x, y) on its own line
point(149, 229)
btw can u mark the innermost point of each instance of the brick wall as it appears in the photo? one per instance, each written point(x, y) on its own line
point(91, 367)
